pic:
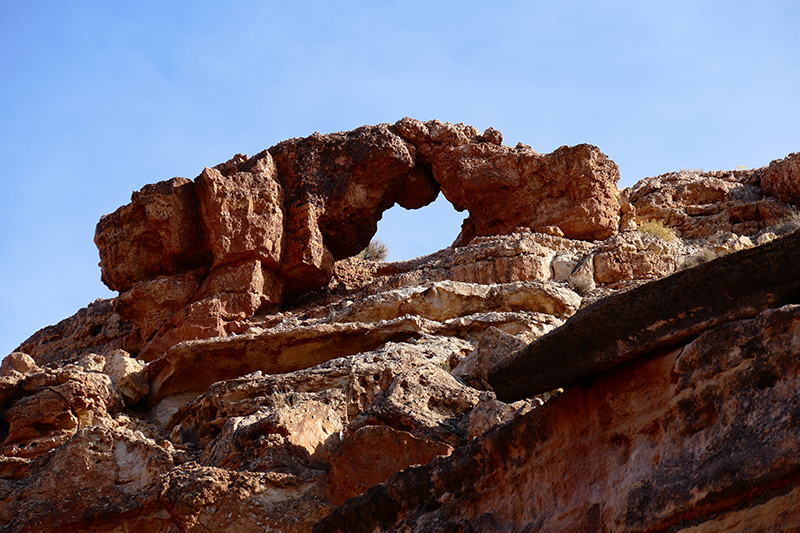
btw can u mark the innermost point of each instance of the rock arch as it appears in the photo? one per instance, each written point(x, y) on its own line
point(253, 232)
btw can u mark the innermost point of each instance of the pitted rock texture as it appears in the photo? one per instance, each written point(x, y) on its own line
point(700, 204)
point(251, 376)
point(698, 436)
point(305, 203)
point(782, 179)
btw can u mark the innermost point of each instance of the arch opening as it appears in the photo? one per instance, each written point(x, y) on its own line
point(415, 233)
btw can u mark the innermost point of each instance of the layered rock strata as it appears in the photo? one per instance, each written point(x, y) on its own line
point(192, 259)
point(251, 375)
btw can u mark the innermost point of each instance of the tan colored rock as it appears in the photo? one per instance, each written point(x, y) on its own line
point(100, 480)
point(157, 234)
point(241, 212)
point(18, 363)
point(442, 300)
point(179, 369)
point(782, 179)
point(698, 204)
point(563, 266)
point(489, 413)
point(205, 498)
point(128, 375)
point(634, 255)
point(582, 279)
point(54, 406)
point(494, 346)
point(764, 238)
point(150, 304)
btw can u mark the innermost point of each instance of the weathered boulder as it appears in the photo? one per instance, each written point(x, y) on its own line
point(337, 185)
point(150, 304)
point(53, 406)
point(128, 375)
point(99, 480)
point(241, 211)
point(635, 255)
point(157, 234)
point(574, 188)
point(689, 440)
point(782, 179)
point(17, 363)
point(658, 315)
point(699, 204)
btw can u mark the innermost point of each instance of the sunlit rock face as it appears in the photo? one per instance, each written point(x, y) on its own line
point(580, 359)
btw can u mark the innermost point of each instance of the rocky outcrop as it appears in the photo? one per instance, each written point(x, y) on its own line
point(97, 328)
point(574, 188)
point(251, 375)
point(661, 314)
point(699, 204)
point(689, 440)
point(158, 233)
point(293, 210)
point(782, 179)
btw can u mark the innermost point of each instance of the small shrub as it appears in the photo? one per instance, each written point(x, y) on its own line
point(703, 256)
point(376, 250)
point(789, 224)
point(656, 228)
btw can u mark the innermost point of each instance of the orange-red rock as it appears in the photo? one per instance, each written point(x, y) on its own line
point(157, 234)
point(150, 304)
point(688, 438)
point(241, 212)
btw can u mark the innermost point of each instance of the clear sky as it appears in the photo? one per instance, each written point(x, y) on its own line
point(100, 98)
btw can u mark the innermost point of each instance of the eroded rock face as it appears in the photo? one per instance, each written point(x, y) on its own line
point(337, 186)
point(157, 234)
point(616, 454)
point(782, 179)
point(699, 204)
point(574, 188)
point(97, 328)
point(652, 317)
point(241, 213)
point(260, 384)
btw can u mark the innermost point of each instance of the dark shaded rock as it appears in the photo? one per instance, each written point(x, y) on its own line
point(687, 438)
point(338, 185)
point(660, 314)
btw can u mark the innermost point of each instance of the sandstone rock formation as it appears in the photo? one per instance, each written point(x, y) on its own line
point(538, 375)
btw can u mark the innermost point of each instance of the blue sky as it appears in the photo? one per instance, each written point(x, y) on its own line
point(98, 99)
